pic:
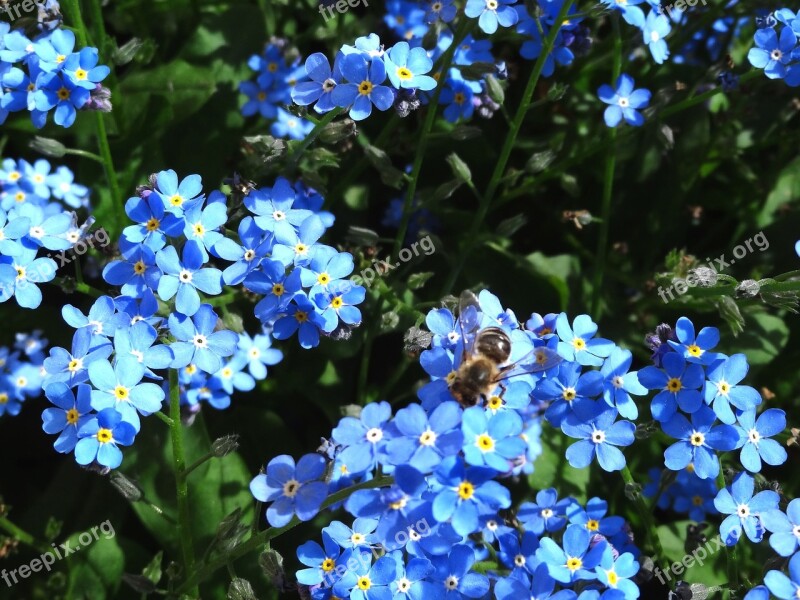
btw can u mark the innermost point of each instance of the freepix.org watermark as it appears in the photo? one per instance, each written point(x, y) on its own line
point(379, 268)
point(48, 559)
point(342, 6)
point(681, 286)
point(679, 6)
point(697, 556)
point(15, 11)
point(363, 559)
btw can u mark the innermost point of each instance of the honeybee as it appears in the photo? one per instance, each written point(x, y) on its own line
point(485, 354)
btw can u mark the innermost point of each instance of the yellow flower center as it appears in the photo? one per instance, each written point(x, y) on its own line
point(569, 394)
point(697, 439)
point(574, 563)
point(63, 94)
point(451, 377)
point(613, 578)
point(484, 442)
point(121, 392)
point(364, 583)
point(697, 500)
point(199, 230)
point(404, 74)
point(261, 96)
point(20, 197)
point(3, 398)
point(495, 402)
point(578, 343)
point(695, 350)
point(14, 176)
point(365, 89)
point(301, 316)
point(337, 303)
point(138, 267)
point(459, 98)
point(72, 416)
point(176, 200)
point(723, 387)
point(674, 385)
point(327, 565)
point(81, 75)
point(323, 279)
point(191, 369)
point(104, 436)
point(278, 289)
point(20, 272)
point(301, 249)
point(466, 490)
point(592, 525)
point(74, 365)
point(152, 224)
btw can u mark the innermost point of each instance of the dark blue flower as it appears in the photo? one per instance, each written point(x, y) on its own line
point(679, 383)
point(624, 102)
point(453, 571)
point(576, 560)
point(600, 438)
point(198, 341)
point(363, 88)
point(744, 509)
point(699, 441)
point(548, 513)
point(291, 489)
point(72, 412)
point(463, 492)
point(100, 437)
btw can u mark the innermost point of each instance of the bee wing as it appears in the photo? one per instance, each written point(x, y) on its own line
point(537, 360)
point(468, 322)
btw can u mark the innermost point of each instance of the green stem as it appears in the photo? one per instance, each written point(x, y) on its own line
point(651, 535)
point(83, 288)
point(197, 463)
point(73, 10)
point(294, 158)
point(608, 185)
point(729, 290)
point(700, 98)
point(424, 136)
point(730, 551)
point(85, 154)
point(259, 539)
point(179, 469)
point(23, 536)
point(508, 146)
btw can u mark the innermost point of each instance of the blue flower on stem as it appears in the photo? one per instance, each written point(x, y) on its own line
point(744, 509)
point(71, 367)
point(462, 491)
point(198, 342)
point(364, 88)
point(679, 383)
point(754, 438)
point(154, 224)
point(100, 437)
point(656, 28)
point(138, 341)
point(275, 285)
point(186, 276)
point(323, 83)
point(336, 303)
point(119, 387)
point(202, 225)
point(548, 513)
point(624, 102)
point(320, 560)
point(492, 442)
point(422, 441)
point(136, 271)
point(178, 196)
point(568, 391)
point(102, 319)
point(783, 587)
point(81, 68)
point(619, 384)
point(492, 14)
point(785, 528)
point(259, 354)
point(72, 412)
point(290, 126)
point(600, 438)
point(303, 319)
point(19, 275)
point(722, 388)
point(773, 53)
point(61, 94)
point(255, 246)
point(407, 66)
point(454, 571)
point(576, 341)
point(695, 349)
point(594, 518)
point(291, 489)
point(456, 97)
point(365, 437)
point(576, 560)
point(616, 573)
point(699, 442)
point(367, 581)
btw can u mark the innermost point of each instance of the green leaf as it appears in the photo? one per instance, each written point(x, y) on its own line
point(786, 190)
point(185, 87)
point(706, 564)
point(418, 280)
point(763, 339)
point(552, 470)
point(97, 567)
